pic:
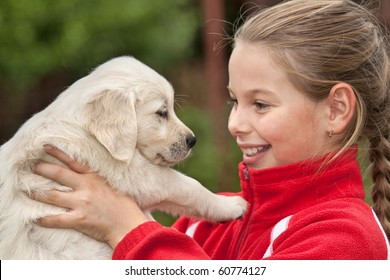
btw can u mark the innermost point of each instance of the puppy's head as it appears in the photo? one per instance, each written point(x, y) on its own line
point(162, 137)
point(133, 107)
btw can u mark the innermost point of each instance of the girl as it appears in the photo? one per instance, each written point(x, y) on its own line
point(308, 80)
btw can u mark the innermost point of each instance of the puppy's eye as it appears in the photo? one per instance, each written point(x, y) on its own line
point(162, 114)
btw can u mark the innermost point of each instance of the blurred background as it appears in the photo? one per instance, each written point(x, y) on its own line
point(47, 45)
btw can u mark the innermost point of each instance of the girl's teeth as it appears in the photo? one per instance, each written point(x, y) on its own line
point(252, 151)
point(255, 151)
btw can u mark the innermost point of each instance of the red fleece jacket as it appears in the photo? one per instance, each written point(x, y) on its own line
point(296, 212)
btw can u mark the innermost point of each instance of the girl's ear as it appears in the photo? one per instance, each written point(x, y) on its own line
point(342, 102)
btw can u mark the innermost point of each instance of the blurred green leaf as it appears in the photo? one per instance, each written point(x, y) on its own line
point(41, 35)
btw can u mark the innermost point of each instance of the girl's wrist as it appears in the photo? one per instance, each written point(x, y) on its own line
point(116, 235)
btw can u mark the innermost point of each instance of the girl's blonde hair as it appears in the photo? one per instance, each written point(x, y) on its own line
point(320, 43)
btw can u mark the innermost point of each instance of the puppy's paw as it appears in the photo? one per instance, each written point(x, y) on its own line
point(231, 208)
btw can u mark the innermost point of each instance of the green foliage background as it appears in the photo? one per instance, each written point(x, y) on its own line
point(41, 35)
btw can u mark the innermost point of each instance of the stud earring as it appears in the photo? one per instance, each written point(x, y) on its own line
point(331, 133)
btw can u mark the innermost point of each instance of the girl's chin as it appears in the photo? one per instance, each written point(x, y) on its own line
point(256, 161)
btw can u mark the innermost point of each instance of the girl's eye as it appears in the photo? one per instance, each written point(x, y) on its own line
point(261, 106)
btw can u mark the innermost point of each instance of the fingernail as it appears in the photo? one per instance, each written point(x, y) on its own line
point(34, 167)
point(47, 147)
point(31, 195)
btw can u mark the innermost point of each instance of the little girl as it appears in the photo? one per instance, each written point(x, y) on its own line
point(308, 81)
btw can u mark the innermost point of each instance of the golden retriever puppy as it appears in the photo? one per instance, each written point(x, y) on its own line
point(120, 120)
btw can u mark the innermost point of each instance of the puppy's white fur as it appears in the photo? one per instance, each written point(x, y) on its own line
point(120, 120)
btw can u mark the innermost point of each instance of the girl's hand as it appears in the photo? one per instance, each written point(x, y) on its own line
point(95, 208)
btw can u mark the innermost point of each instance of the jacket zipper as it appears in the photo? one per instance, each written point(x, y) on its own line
point(245, 226)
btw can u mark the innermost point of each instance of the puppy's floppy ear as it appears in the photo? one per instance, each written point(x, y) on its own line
point(111, 118)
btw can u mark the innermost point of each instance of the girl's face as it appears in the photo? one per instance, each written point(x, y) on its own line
point(273, 122)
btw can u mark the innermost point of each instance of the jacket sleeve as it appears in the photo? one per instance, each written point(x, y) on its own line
point(152, 241)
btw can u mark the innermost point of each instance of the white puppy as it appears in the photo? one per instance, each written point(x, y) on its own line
point(120, 120)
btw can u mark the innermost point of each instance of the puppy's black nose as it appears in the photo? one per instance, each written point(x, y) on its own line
point(190, 141)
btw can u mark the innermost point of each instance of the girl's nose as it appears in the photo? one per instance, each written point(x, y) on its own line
point(237, 122)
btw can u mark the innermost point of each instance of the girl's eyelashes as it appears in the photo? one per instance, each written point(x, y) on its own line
point(261, 105)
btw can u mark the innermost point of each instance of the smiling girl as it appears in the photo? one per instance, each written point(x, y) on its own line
point(307, 81)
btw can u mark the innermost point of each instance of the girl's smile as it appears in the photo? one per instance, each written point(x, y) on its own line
point(251, 155)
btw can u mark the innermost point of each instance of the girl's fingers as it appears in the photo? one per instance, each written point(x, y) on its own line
point(61, 156)
point(59, 174)
point(57, 221)
point(54, 197)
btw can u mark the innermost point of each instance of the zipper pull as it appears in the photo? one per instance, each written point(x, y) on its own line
point(246, 173)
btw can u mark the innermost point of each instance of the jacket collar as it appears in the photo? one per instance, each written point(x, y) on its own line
point(284, 190)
